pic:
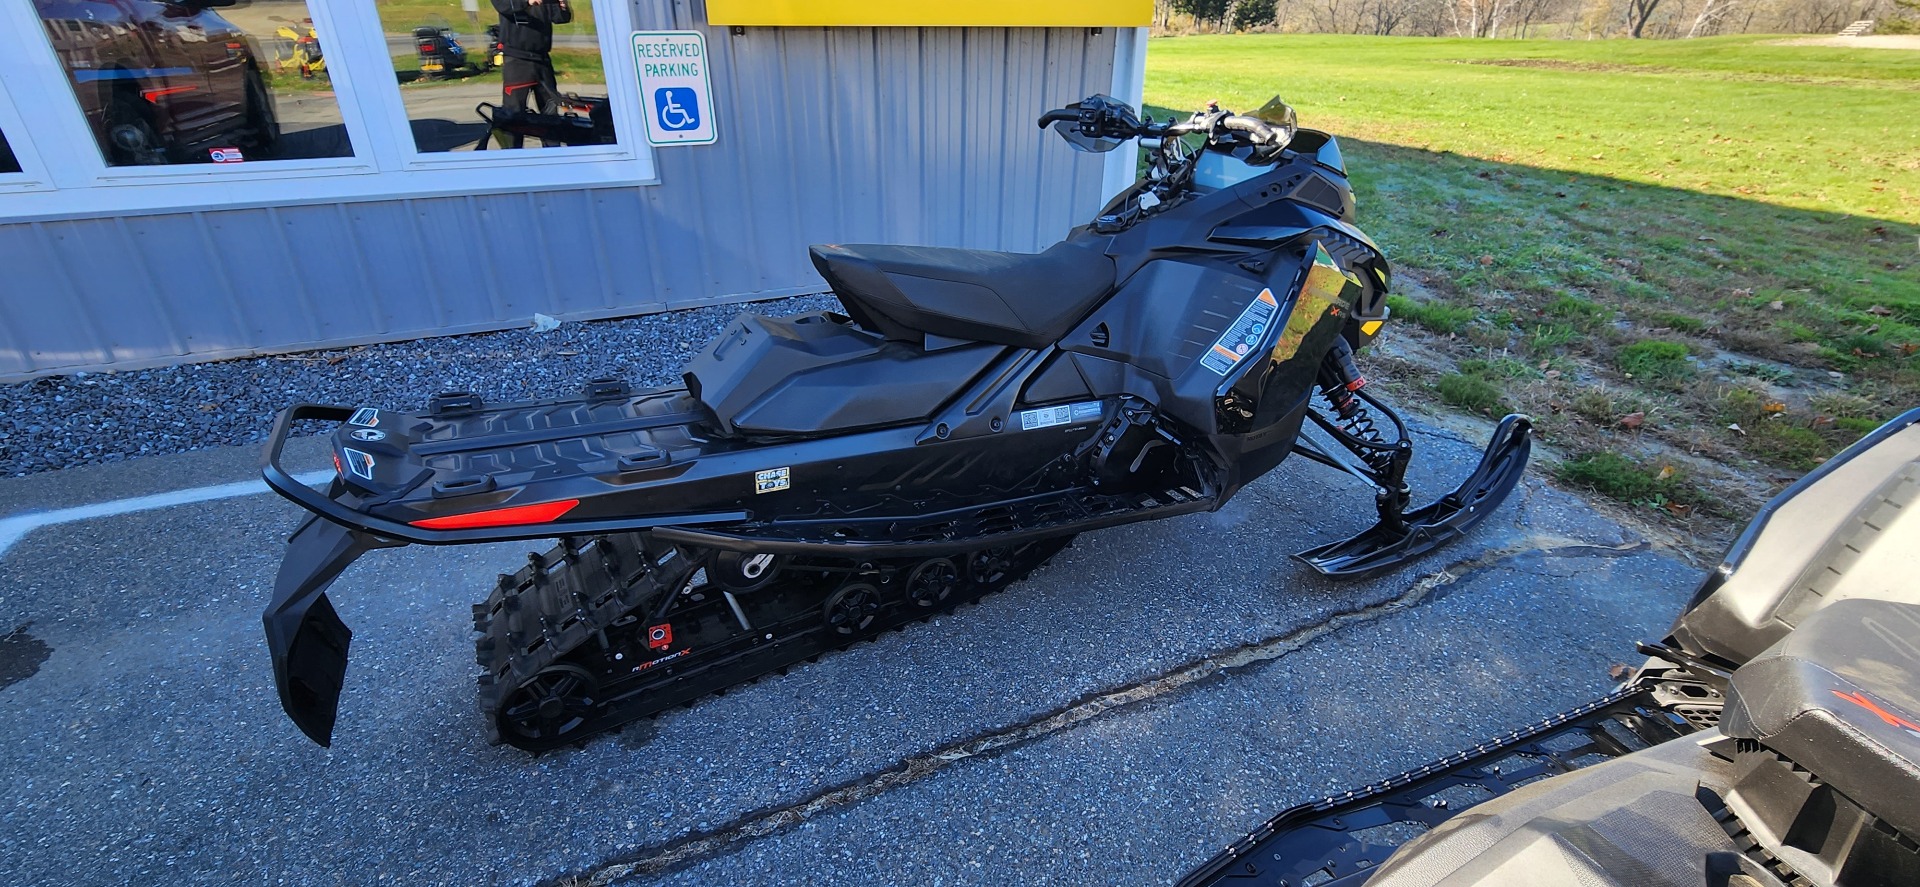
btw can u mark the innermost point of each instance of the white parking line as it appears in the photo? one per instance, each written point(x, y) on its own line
point(15, 528)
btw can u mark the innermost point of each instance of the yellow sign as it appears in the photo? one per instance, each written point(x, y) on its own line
point(895, 13)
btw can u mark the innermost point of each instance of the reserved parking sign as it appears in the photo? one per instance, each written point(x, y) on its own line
point(675, 89)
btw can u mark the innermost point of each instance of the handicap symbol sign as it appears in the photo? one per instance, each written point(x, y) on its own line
point(677, 107)
point(676, 93)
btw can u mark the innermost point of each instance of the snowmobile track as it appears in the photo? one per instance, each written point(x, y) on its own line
point(582, 639)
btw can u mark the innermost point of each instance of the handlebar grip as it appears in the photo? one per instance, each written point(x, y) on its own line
point(1056, 115)
point(1254, 126)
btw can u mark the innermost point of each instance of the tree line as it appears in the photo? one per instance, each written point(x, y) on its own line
point(1571, 19)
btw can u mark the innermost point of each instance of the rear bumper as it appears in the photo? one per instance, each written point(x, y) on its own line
point(305, 636)
point(347, 510)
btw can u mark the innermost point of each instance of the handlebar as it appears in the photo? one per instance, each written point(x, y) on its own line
point(1262, 133)
point(1105, 125)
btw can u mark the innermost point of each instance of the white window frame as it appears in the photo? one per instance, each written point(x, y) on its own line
point(385, 164)
point(33, 174)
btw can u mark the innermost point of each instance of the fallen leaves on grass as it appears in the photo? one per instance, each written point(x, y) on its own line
point(1632, 421)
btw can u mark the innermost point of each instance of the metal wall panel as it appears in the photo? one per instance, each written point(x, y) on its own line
point(847, 135)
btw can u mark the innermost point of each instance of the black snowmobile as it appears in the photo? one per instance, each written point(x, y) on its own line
point(1771, 739)
point(823, 477)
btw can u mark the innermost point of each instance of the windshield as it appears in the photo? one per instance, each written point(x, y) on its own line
point(1278, 114)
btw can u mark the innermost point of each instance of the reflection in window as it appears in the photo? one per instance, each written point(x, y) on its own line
point(8, 162)
point(193, 81)
point(530, 67)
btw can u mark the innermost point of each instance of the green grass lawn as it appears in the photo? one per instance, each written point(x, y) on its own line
point(1751, 210)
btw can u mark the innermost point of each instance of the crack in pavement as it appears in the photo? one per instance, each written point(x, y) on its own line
point(752, 826)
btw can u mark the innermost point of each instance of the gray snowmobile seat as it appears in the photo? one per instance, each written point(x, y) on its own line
point(1022, 299)
point(1840, 697)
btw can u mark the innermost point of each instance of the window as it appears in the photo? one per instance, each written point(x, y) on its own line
point(196, 81)
point(518, 63)
point(147, 105)
point(8, 162)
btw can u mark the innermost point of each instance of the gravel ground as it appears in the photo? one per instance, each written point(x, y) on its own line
point(88, 418)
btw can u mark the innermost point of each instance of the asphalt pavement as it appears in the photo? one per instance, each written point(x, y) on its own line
point(1152, 693)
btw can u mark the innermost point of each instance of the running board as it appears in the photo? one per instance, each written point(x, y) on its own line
point(1403, 537)
point(1013, 522)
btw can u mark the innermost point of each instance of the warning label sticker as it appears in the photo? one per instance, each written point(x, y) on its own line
point(1243, 336)
point(1064, 414)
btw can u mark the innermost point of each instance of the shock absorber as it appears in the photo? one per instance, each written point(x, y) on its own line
point(1339, 379)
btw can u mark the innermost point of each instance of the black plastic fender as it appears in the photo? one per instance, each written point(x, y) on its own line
point(305, 637)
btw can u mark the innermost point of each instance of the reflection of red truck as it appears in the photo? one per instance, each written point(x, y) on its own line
point(162, 82)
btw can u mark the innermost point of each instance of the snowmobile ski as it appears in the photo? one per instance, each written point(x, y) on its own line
point(1404, 536)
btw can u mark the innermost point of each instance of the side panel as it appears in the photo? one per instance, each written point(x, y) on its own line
point(1223, 344)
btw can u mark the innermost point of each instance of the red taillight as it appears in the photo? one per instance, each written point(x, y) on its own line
point(500, 517)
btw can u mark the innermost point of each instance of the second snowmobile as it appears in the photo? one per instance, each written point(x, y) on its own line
point(823, 477)
point(1770, 739)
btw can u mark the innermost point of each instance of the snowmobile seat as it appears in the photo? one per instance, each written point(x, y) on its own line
point(905, 293)
point(1840, 697)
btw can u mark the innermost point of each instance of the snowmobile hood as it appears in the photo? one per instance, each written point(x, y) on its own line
point(1841, 531)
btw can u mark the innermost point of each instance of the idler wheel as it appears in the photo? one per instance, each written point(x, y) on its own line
point(556, 701)
point(853, 608)
point(743, 572)
point(932, 582)
point(990, 565)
